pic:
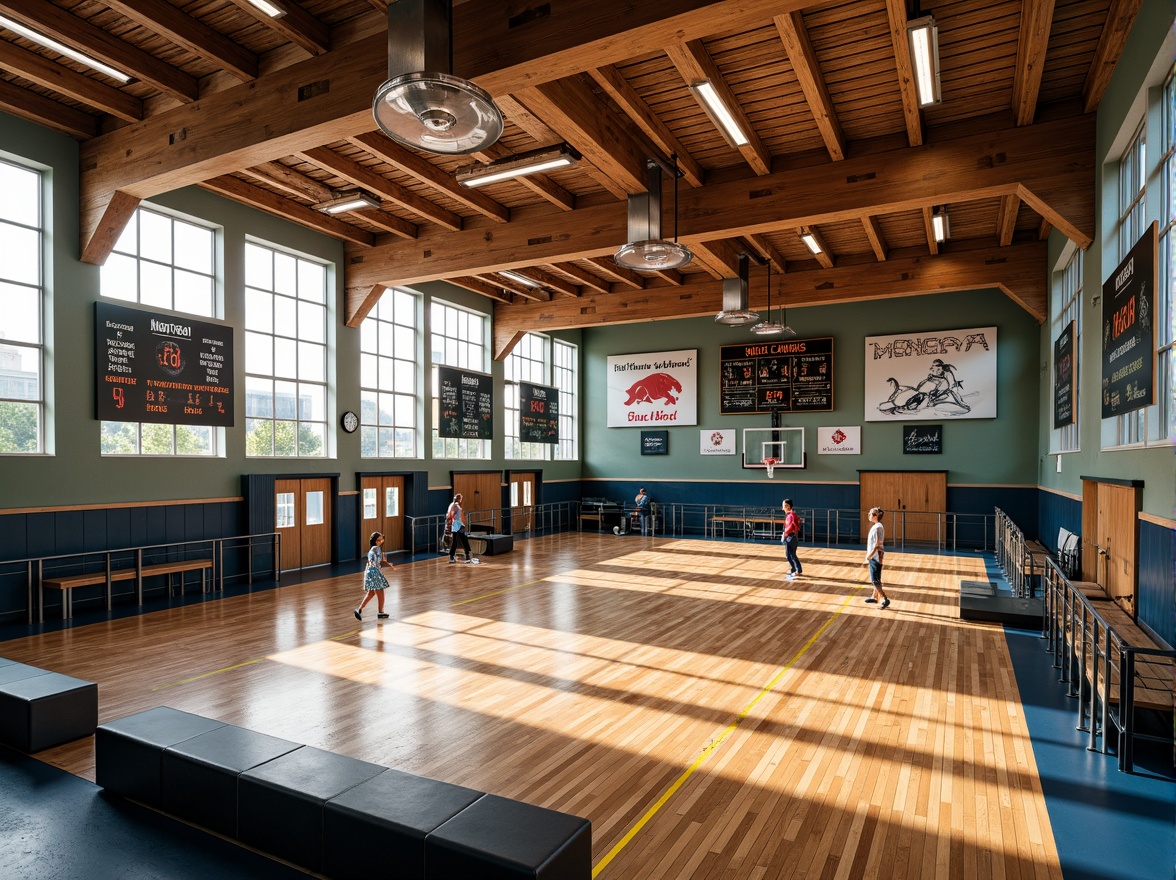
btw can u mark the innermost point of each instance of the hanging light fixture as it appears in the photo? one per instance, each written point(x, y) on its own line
point(646, 250)
point(735, 312)
point(923, 39)
point(940, 224)
point(768, 327)
point(422, 104)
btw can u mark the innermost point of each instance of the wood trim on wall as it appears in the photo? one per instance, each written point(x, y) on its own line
point(119, 505)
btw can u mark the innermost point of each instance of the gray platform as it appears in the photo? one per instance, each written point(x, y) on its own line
point(979, 600)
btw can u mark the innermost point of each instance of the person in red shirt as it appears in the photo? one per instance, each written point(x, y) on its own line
point(791, 539)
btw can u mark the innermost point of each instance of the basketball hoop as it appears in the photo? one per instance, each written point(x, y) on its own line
point(770, 464)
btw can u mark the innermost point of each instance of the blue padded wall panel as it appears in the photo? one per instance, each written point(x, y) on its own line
point(94, 537)
point(1157, 591)
point(118, 527)
point(14, 536)
point(1057, 512)
point(177, 522)
point(68, 532)
point(138, 526)
point(194, 528)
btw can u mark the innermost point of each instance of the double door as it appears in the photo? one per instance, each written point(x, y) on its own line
point(522, 500)
point(303, 520)
point(914, 501)
point(381, 510)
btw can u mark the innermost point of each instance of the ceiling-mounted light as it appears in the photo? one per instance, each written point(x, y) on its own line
point(940, 224)
point(770, 327)
point(735, 312)
point(646, 250)
point(268, 8)
point(533, 162)
point(719, 113)
point(62, 49)
point(923, 39)
point(811, 242)
point(422, 104)
point(343, 202)
point(519, 279)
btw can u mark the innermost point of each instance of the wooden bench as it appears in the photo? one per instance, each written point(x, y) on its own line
point(66, 583)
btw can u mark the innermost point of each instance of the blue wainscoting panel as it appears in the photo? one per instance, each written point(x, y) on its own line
point(1157, 589)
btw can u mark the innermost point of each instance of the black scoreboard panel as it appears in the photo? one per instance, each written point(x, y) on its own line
point(161, 367)
point(466, 404)
point(785, 375)
point(538, 413)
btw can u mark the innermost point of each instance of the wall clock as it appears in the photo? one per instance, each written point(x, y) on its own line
point(349, 421)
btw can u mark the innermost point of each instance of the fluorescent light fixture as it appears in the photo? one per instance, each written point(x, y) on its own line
point(62, 49)
point(940, 225)
point(810, 242)
point(533, 162)
point(719, 113)
point(268, 8)
point(923, 37)
point(348, 201)
point(519, 279)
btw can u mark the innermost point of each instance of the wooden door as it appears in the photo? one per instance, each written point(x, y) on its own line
point(382, 510)
point(303, 519)
point(481, 497)
point(912, 500)
point(1117, 541)
point(522, 501)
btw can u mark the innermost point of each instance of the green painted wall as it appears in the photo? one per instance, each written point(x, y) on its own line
point(1000, 451)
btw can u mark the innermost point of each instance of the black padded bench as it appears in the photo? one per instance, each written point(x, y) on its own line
point(40, 709)
point(496, 544)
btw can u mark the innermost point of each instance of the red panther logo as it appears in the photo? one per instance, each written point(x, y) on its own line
point(655, 386)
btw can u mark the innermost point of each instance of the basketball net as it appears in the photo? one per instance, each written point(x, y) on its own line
point(770, 464)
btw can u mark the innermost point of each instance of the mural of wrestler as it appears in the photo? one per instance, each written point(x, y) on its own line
point(940, 387)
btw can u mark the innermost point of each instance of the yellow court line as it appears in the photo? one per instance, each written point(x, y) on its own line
point(164, 687)
point(710, 748)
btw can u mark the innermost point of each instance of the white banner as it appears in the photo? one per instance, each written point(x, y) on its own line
point(949, 374)
point(839, 440)
point(716, 442)
point(653, 390)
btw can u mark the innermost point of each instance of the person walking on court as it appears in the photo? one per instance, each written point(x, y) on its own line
point(874, 553)
point(643, 510)
point(791, 539)
point(456, 522)
point(374, 582)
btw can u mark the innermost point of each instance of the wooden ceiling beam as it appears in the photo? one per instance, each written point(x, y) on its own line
point(1032, 41)
point(64, 81)
point(1018, 271)
point(769, 252)
point(288, 180)
point(614, 84)
point(272, 203)
point(388, 221)
point(896, 14)
point(192, 34)
point(384, 149)
point(929, 230)
point(694, 65)
point(43, 16)
point(486, 289)
point(1111, 42)
point(362, 176)
point(555, 283)
point(45, 111)
point(583, 277)
point(719, 257)
point(1006, 219)
point(796, 41)
point(540, 184)
point(873, 230)
point(534, 294)
point(823, 255)
point(1049, 165)
point(627, 277)
point(297, 25)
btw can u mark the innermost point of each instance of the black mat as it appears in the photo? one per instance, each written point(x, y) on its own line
point(57, 826)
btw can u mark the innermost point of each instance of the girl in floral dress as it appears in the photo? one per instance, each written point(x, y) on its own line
point(373, 579)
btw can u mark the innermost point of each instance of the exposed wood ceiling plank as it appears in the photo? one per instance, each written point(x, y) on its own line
point(694, 65)
point(929, 231)
point(288, 180)
point(719, 257)
point(61, 79)
point(1049, 165)
point(477, 285)
point(808, 71)
point(873, 230)
point(198, 38)
point(824, 257)
point(583, 277)
point(389, 222)
point(43, 16)
point(297, 25)
point(768, 251)
point(271, 203)
point(1111, 43)
point(1032, 41)
point(1019, 271)
point(555, 283)
point(617, 87)
point(521, 290)
point(362, 176)
point(897, 16)
point(45, 111)
point(627, 277)
point(412, 163)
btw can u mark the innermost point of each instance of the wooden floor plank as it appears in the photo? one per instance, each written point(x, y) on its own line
point(710, 718)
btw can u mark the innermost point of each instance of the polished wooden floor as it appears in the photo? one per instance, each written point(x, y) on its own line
point(711, 719)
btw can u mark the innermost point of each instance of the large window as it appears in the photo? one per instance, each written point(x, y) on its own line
point(566, 377)
point(527, 362)
point(388, 377)
point(1136, 210)
point(22, 343)
point(1067, 307)
point(163, 262)
point(458, 339)
point(285, 354)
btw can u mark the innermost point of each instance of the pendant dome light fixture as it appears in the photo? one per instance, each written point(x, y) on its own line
point(646, 250)
point(735, 312)
point(768, 327)
point(422, 104)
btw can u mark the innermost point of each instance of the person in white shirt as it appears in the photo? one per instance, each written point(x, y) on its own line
point(874, 553)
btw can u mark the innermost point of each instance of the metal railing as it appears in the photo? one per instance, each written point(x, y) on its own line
point(425, 532)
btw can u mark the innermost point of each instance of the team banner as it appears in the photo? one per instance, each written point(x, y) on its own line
point(653, 390)
point(937, 375)
point(1128, 338)
point(1063, 364)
